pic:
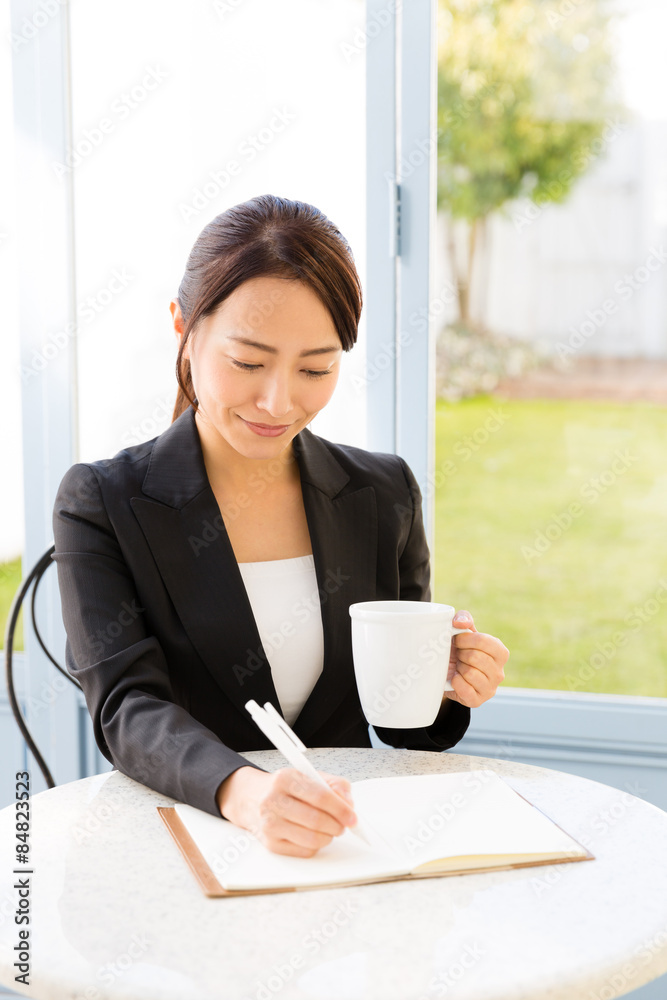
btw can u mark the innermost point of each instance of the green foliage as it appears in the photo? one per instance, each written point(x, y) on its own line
point(524, 100)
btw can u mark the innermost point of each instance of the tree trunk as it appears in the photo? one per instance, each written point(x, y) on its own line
point(463, 282)
point(478, 267)
point(464, 303)
point(473, 228)
point(453, 263)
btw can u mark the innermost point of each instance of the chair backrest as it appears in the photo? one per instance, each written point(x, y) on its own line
point(32, 580)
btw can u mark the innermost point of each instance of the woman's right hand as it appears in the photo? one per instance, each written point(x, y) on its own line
point(287, 811)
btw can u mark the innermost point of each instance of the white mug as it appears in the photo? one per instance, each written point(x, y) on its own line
point(401, 655)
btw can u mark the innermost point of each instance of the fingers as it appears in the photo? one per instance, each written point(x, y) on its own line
point(328, 800)
point(479, 640)
point(290, 849)
point(341, 786)
point(473, 686)
point(300, 816)
point(483, 652)
point(343, 791)
point(480, 659)
point(278, 829)
point(488, 663)
point(465, 693)
point(463, 619)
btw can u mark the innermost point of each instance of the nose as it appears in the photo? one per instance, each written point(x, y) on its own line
point(276, 396)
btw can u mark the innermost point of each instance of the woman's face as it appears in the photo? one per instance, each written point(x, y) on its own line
point(263, 364)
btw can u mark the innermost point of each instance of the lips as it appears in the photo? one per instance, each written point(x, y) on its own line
point(266, 430)
point(267, 427)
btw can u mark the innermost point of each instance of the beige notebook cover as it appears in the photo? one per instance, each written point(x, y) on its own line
point(436, 825)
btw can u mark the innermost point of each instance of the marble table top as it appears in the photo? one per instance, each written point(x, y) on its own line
point(116, 913)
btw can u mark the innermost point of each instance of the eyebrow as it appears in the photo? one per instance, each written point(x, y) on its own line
point(274, 350)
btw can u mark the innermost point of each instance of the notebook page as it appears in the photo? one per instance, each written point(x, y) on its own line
point(430, 816)
point(240, 861)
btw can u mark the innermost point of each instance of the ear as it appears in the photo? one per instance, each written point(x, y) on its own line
point(179, 324)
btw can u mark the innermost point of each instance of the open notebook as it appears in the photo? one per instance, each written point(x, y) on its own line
point(430, 824)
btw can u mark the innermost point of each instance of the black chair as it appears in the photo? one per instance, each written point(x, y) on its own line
point(32, 580)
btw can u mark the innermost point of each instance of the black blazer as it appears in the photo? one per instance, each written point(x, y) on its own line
point(160, 632)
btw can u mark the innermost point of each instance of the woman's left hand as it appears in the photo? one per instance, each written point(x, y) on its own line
point(475, 665)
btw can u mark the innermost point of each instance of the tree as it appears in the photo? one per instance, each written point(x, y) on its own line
point(525, 94)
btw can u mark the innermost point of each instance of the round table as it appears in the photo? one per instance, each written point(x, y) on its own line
point(116, 913)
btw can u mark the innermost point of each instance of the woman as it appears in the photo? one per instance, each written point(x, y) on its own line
point(217, 562)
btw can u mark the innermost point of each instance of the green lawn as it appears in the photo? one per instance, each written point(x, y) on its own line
point(550, 529)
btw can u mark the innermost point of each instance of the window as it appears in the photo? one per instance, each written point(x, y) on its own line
point(552, 418)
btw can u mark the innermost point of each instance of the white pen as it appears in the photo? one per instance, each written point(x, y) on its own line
point(285, 739)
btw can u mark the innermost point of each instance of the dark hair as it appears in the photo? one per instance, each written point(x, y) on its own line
point(266, 236)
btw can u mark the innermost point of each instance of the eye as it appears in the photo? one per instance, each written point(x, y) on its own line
point(244, 366)
point(308, 372)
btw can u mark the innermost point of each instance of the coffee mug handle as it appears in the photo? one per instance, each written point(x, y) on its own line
point(455, 631)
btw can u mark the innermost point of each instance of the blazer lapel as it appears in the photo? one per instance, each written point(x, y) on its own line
point(181, 521)
point(343, 530)
point(194, 556)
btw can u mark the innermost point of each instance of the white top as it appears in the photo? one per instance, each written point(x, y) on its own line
point(285, 602)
